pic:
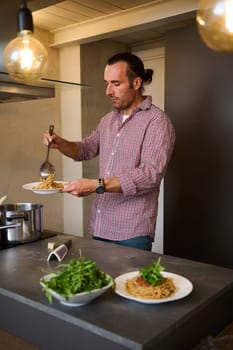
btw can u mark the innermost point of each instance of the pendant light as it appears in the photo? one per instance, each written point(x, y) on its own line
point(25, 57)
point(215, 24)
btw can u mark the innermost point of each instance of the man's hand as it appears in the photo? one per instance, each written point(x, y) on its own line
point(85, 187)
point(81, 187)
point(54, 139)
point(68, 148)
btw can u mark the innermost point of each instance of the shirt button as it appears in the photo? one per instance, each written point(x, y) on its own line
point(98, 211)
point(112, 153)
point(108, 172)
point(118, 135)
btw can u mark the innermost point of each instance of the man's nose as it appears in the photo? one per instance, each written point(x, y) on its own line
point(108, 90)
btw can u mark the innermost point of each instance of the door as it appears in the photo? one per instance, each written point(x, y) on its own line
point(155, 59)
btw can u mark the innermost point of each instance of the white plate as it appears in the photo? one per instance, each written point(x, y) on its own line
point(31, 186)
point(183, 288)
point(80, 298)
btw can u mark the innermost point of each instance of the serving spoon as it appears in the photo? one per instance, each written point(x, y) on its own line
point(46, 167)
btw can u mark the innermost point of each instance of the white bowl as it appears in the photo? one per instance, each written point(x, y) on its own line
point(79, 298)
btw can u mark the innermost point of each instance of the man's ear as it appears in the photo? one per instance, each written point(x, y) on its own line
point(137, 83)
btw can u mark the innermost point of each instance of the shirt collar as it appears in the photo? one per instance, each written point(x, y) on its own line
point(146, 104)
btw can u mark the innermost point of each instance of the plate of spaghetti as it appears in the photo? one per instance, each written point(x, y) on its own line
point(45, 186)
point(34, 187)
point(172, 287)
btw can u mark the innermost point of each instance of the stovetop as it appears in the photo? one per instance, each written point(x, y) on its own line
point(45, 235)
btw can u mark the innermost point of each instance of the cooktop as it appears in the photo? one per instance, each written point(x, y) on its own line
point(45, 235)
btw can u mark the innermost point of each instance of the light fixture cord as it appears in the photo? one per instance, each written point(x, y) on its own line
point(24, 16)
point(23, 3)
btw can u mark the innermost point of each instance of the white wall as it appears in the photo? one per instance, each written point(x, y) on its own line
point(71, 129)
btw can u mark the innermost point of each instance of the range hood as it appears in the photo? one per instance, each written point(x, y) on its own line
point(12, 91)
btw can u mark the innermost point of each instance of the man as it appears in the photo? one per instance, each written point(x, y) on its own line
point(134, 143)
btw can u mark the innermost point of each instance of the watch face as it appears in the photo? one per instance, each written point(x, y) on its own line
point(100, 190)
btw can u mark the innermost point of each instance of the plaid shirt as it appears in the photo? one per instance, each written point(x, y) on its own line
point(137, 152)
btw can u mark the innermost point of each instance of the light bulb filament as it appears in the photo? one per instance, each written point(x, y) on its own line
point(26, 59)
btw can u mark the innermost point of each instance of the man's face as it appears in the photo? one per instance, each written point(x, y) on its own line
point(118, 86)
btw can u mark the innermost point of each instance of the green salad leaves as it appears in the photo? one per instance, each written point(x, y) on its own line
point(152, 273)
point(75, 277)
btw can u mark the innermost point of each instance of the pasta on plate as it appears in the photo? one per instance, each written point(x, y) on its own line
point(139, 288)
point(48, 183)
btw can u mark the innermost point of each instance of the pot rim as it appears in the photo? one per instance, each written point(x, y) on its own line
point(20, 206)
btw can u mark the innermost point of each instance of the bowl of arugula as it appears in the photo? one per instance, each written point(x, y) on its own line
point(76, 283)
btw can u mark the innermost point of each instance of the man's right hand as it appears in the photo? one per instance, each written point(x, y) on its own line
point(68, 148)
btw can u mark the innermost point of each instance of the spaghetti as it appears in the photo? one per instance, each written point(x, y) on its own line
point(48, 183)
point(139, 288)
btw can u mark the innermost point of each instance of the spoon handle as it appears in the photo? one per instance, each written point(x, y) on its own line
point(51, 129)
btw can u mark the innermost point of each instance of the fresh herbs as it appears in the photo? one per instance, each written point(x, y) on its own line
point(75, 277)
point(152, 273)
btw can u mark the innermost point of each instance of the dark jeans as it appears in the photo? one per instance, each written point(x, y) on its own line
point(141, 242)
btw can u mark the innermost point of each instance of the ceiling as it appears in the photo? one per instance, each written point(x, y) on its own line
point(66, 13)
point(54, 14)
point(75, 11)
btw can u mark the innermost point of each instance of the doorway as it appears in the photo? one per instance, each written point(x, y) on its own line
point(155, 59)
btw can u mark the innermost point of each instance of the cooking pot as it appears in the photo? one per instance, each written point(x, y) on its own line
point(20, 223)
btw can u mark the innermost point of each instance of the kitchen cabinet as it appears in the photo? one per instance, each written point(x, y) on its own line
point(110, 322)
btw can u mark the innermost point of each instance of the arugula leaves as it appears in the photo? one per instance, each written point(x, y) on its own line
point(75, 277)
point(152, 273)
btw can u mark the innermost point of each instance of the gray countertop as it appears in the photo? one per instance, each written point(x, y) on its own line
point(110, 322)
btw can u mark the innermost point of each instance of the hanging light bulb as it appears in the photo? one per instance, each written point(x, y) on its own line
point(25, 57)
point(215, 24)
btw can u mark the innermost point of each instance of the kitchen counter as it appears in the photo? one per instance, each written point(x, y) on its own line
point(110, 322)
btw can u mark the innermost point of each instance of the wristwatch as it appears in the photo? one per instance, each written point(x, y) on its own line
point(100, 187)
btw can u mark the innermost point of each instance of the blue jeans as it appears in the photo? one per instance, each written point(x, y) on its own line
point(141, 242)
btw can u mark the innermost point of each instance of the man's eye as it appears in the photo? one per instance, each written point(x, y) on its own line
point(117, 84)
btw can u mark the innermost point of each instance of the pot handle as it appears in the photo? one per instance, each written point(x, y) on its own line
point(10, 226)
point(25, 217)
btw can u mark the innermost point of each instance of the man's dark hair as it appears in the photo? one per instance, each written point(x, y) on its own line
point(135, 67)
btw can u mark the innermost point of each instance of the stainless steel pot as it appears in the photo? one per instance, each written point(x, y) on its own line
point(20, 223)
